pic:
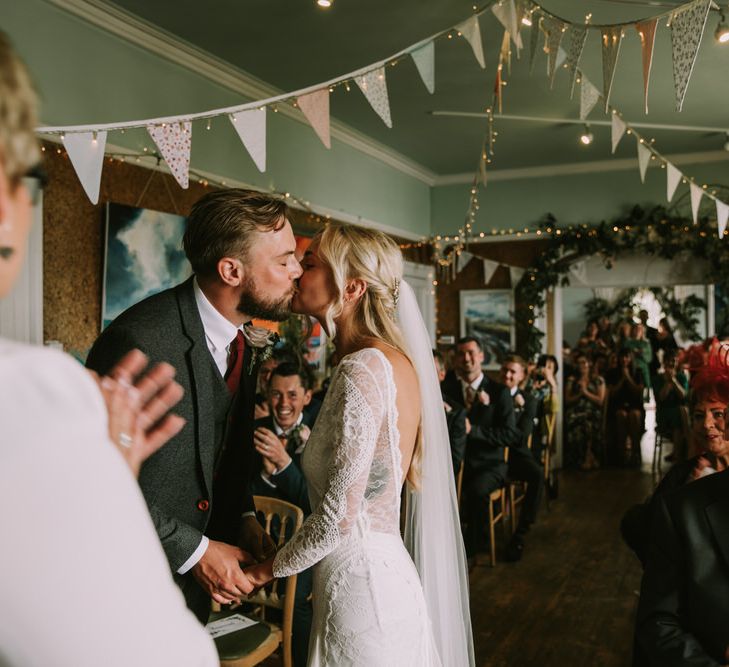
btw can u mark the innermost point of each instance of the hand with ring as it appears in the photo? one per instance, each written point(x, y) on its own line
point(270, 447)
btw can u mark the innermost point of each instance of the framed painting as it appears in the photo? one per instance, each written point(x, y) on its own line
point(487, 316)
point(143, 255)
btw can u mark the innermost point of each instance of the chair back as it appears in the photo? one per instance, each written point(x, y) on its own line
point(281, 520)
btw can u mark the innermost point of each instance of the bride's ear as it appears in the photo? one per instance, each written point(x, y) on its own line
point(354, 290)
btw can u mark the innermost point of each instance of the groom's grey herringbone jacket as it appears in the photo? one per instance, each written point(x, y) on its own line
point(177, 481)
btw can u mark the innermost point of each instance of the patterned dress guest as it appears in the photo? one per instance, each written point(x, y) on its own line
point(584, 398)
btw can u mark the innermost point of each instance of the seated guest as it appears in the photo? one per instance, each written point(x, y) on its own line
point(642, 352)
point(84, 579)
point(605, 332)
point(584, 398)
point(490, 412)
point(280, 439)
point(671, 389)
point(709, 400)
point(684, 596)
point(521, 465)
point(625, 409)
point(456, 419)
point(590, 342)
point(542, 383)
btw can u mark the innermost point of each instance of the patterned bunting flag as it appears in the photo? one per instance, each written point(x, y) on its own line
point(617, 130)
point(722, 213)
point(374, 87)
point(589, 95)
point(251, 128)
point(612, 37)
point(696, 194)
point(505, 12)
point(315, 106)
point(578, 36)
point(644, 157)
point(687, 29)
point(471, 30)
point(174, 141)
point(554, 29)
point(86, 152)
point(424, 58)
point(673, 178)
point(647, 33)
point(534, 38)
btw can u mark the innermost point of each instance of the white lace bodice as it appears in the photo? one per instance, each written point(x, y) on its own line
point(352, 462)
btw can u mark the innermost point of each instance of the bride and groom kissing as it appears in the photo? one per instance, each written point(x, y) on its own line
point(379, 598)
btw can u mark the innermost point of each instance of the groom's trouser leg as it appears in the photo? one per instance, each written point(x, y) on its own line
point(301, 629)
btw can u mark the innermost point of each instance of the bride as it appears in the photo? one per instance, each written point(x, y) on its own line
point(381, 427)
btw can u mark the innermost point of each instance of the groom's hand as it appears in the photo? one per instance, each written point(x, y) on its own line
point(255, 540)
point(219, 572)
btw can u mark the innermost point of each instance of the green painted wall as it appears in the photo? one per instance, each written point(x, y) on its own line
point(581, 198)
point(86, 75)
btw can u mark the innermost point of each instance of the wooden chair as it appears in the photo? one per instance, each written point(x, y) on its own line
point(250, 646)
point(499, 496)
point(550, 421)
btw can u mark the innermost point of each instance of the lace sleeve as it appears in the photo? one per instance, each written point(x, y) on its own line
point(355, 425)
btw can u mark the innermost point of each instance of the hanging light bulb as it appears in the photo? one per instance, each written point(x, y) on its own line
point(586, 137)
point(721, 34)
point(324, 4)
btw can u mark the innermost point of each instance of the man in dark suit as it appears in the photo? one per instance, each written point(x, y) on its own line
point(241, 248)
point(456, 420)
point(280, 439)
point(684, 598)
point(491, 414)
point(522, 465)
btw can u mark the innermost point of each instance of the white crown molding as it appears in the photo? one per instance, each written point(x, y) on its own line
point(572, 168)
point(317, 209)
point(136, 31)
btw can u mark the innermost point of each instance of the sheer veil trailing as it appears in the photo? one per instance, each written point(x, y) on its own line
point(432, 527)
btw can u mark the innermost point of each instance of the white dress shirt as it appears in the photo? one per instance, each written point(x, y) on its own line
point(219, 334)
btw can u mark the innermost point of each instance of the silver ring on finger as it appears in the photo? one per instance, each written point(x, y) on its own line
point(125, 440)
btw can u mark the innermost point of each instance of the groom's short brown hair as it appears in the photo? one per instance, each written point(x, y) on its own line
point(222, 223)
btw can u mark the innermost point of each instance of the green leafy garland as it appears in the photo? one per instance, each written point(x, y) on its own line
point(657, 232)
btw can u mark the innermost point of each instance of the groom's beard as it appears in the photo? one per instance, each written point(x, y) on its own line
point(255, 304)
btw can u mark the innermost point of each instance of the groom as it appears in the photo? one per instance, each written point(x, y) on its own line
point(241, 248)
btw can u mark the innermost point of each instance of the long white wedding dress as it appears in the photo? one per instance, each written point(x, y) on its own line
point(369, 607)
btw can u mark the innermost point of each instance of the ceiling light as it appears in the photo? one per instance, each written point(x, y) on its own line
point(721, 34)
point(586, 137)
point(325, 4)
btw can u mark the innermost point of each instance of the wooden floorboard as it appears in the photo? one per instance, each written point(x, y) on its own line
point(571, 600)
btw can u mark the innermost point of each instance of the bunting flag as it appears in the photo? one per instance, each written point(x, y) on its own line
point(673, 178)
point(462, 258)
point(315, 106)
point(505, 52)
point(554, 29)
point(374, 87)
point(617, 130)
point(687, 29)
point(471, 30)
point(644, 157)
point(86, 152)
point(722, 213)
point(612, 37)
point(589, 95)
point(647, 33)
point(251, 128)
point(489, 268)
point(578, 270)
point(696, 194)
point(534, 38)
point(578, 37)
point(424, 58)
point(505, 12)
point(515, 275)
point(174, 141)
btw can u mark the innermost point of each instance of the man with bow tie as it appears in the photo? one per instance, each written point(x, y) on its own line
point(280, 439)
point(241, 248)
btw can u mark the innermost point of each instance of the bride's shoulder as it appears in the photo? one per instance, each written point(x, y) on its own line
point(382, 358)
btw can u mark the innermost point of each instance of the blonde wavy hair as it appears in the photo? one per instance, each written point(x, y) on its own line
point(372, 256)
point(19, 148)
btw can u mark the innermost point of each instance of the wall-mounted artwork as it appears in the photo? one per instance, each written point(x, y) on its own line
point(487, 315)
point(143, 255)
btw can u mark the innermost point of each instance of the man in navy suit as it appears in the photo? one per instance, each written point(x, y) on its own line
point(490, 412)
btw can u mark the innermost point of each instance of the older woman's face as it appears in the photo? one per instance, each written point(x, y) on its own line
point(708, 423)
point(15, 217)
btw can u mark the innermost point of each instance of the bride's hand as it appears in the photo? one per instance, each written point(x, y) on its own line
point(260, 574)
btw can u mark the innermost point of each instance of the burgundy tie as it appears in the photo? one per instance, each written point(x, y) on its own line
point(235, 362)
